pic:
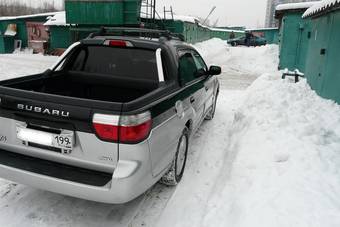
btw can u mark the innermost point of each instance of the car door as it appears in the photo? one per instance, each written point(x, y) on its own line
point(193, 84)
point(209, 81)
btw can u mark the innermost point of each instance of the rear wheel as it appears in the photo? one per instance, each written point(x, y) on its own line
point(176, 171)
point(234, 44)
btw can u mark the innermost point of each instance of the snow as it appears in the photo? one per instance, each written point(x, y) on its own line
point(291, 6)
point(59, 19)
point(226, 30)
point(176, 17)
point(269, 158)
point(28, 16)
point(10, 33)
point(286, 168)
point(261, 29)
point(22, 64)
point(240, 60)
point(320, 6)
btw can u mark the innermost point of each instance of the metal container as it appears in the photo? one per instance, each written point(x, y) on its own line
point(103, 12)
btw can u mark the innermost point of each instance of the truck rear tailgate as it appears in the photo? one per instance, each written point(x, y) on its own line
point(44, 133)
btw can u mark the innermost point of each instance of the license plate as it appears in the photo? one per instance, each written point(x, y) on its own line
point(63, 141)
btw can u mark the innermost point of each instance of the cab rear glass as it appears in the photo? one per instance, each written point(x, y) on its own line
point(118, 62)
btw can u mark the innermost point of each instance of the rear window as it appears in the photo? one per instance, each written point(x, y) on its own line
point(120, 62)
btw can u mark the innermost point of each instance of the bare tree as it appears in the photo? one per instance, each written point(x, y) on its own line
point(16, 8)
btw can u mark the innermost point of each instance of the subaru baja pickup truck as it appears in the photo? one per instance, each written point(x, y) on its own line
point(111, 118)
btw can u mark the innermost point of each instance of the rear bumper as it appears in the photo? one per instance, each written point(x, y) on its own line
point(131, 178)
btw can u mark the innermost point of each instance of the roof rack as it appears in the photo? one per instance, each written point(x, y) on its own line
point(139, 32)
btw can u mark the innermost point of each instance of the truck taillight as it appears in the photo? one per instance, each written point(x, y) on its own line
point(123, 129)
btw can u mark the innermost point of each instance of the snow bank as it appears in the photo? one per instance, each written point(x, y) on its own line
point(252, 61)
point(239, 60)
point(286, 167)
point(320, 6)
point(215, 51)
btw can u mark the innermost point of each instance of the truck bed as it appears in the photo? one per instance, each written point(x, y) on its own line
point(86, 86)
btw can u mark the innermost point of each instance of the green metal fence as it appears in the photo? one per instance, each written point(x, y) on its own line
point(270, 34)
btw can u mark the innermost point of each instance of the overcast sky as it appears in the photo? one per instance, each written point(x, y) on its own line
point(250, 13)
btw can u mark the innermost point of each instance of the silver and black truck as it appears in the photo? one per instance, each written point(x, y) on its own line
point(111, 118)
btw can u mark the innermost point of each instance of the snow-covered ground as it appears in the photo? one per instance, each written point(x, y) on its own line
point(14, 65)
point(285, 160)
point(271, 157)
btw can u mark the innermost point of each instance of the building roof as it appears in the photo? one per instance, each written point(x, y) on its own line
point(321, 7)
point(29, 16)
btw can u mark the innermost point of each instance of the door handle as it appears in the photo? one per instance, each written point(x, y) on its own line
point(192, 100)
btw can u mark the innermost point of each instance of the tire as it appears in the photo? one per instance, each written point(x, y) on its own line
point(211, 113)
point(234, 44)
point(176, 171)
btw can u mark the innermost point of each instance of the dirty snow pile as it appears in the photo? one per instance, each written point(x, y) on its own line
point(285, 170)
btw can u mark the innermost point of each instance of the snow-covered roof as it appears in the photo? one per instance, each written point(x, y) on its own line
point(189, 19)
point(28, 16)
point(260, 29)
point(176, 17)
point(225, 30)
point(293, 6)
point(321, 7)
point(59, 19)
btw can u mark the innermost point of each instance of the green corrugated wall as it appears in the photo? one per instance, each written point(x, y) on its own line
point(322, 70)
point(225, 35)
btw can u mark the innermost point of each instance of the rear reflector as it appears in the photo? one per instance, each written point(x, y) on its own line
point(124, 129)
point(118, 43)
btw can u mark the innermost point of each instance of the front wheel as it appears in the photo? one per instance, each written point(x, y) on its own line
point(176, 171)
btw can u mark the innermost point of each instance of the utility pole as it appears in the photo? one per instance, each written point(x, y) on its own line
point(211, 12)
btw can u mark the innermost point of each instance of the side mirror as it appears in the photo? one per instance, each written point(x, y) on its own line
point(200, 72)
point(215, 70)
